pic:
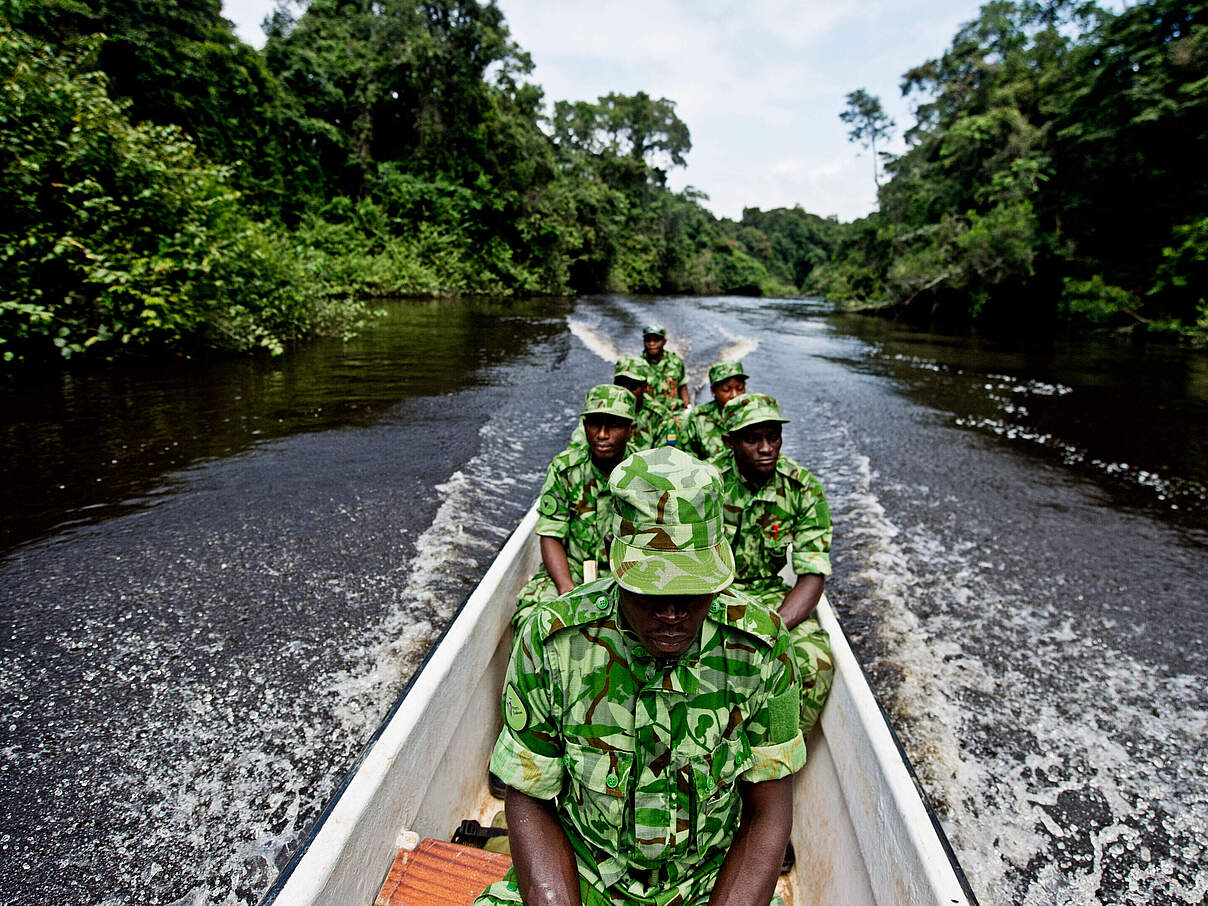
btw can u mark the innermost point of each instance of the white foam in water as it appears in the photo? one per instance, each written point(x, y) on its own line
point(594, 340)
point(1054, 761)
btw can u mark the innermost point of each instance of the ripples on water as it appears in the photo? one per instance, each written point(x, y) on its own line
point(212, 626)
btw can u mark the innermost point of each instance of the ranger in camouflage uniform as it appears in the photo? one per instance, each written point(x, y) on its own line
point(646, 712)
point(703, 426)
point(575, 510)
point(654, 426)
point(772, 503)
point(669, 381)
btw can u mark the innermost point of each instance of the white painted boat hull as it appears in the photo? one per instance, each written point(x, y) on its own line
point(861, 830)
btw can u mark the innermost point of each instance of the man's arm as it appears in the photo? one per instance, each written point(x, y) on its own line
point(683, 395)
point(801, 600)
point(748, 874)
point(546, 872)
point(553, 557)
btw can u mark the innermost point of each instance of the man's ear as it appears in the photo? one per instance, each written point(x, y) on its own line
point(633, 426)
point(728, 441)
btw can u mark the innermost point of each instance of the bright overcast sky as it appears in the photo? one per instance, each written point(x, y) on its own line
point(760, 83)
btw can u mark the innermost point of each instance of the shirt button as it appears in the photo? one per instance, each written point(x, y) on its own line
point(602, 603)
point(612, 780)
point(639, 651)
point(708, 783)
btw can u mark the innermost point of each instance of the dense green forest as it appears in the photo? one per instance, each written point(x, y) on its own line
point(1055, 174)
point(172, 188)
point(168, 188)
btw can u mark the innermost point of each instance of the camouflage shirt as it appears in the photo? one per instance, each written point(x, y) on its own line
point(669, 375)
point(702, 432)
point(761, 523)
point(575, 507)
point(643, 755)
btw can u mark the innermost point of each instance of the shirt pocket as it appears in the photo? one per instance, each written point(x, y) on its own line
point(715, 778)
point(599, 786)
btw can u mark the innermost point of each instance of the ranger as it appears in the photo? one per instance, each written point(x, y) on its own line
point(670, 378)
point(654, 426)
point(773, 504)
point(703, 426)
point(645, 712)
point(574, 509)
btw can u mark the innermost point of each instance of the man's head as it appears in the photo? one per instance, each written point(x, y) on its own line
point(670, 553)
point(608, 418)
point(753, 423)
point(654, 338)
point(632, 373)
point(727, 380)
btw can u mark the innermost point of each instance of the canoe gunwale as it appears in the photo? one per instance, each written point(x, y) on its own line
point(350, 775)
point(855, 668)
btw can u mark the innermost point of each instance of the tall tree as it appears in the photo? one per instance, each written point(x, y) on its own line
point(869, 124)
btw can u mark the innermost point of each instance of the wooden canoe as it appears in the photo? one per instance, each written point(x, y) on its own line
point(863, 832)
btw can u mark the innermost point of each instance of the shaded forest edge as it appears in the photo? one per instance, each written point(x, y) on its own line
point(169, 188)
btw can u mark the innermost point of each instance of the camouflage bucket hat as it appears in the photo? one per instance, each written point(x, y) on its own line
point(633, 367)
point(657, 329)
point(669, 536)
point(609, 399)
point(719, 371)
point(750, 409)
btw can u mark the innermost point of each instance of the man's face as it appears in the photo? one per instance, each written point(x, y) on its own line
point(756, 448)
point(666, 625)
point(607, 435)
point(637, 388)
point(724, 391)
point(653, 344)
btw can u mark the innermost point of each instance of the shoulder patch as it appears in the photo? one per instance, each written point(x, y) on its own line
point(548, 505)
point(514, 711)
point(741, 611)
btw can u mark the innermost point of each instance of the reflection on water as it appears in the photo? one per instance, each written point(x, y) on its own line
point(1133, 417)
point(84, 445)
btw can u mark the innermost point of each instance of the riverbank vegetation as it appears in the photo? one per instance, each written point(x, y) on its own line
point(169, 188)
point(1054, 174)
point(172, 188)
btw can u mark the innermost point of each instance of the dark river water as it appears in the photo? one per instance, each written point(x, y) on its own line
point(216, 577)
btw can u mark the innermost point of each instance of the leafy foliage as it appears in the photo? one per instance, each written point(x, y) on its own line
point(1048, 174)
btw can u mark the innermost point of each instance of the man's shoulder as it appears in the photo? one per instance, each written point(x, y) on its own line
point(705, 411)
point(584, 604)
point(574, 455)
point(745, 613)
point(794, 471)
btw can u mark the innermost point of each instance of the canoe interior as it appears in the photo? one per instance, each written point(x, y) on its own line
point(863, 836)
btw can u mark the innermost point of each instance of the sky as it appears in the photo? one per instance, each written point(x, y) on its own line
point(760, 83)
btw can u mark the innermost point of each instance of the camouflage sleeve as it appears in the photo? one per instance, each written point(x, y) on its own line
point(777, 747)
point(553, 507)
point(680, 373)
point(811, 529)
point(689, 436)
point(528, 752)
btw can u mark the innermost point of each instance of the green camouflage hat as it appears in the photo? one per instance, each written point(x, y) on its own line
point(657, 329)
point(669, 537)
point(609, 399)
point(750, 409)
point(719, 371)
point(633, 367)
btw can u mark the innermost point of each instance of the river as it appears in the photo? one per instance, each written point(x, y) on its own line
point(216, 577)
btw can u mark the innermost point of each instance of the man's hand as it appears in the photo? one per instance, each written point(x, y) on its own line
point(545, 864)
point(683, 395)
point(748, 875)
point(553, 557)
point(801, 600)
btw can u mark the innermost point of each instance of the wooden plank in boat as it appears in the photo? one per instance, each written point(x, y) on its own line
point(437, 873)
